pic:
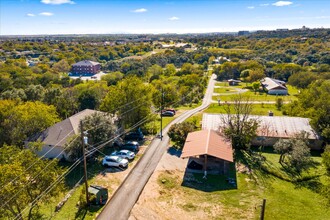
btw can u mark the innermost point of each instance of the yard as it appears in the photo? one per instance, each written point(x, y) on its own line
point(167, 196)
point(224, 92)
point(257, 109)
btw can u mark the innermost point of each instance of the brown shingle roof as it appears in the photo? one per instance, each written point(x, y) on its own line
point(207, 142)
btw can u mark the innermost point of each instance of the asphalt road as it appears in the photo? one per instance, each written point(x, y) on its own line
point(125, 197)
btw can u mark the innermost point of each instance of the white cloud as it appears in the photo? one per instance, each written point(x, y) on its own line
point(30, 15)
point(46, 14)
point(140, 10)
point(263, 5)
point(173, 18)
point(250, 7)
point(57, 2)
point(282, 3)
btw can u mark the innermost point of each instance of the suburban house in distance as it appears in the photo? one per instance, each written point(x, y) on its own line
point(86, 67)
point(271, 129)
point(233, 82)
point(55, 137)
point(274, 86)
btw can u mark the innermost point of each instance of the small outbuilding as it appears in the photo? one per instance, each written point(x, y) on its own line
point(209, 148)
point(98, 195)
point(233, 82)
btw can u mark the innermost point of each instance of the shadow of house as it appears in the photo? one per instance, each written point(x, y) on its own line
point(174, 151)
point(210, 166)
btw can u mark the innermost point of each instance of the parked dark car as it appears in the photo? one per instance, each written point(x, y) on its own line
point(131, 146)
point(118, 142)
point(167, 113)
point(170, 110)
point(134, 136)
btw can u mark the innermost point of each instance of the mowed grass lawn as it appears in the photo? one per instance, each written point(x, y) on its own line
point(257, 109)
point(260, 96)
point(284, 200)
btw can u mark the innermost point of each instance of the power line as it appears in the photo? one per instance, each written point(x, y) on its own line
point(74, 165)
point(31, 179)
point(51, 186)
point(37, 160)
point(72, 141)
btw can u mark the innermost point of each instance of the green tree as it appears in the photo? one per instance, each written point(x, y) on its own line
point(170, 70)
point(130, 99)
point(22, 120)
point(100, 127)
point(34, 93)
point(256, 86)
point(112, 78)
point(23, 189)
point(326, 158)
point(179, 132)
point(237, 125)
point(61, 67)
point(294, 153)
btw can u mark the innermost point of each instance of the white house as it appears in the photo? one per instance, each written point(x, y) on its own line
point(274, 86)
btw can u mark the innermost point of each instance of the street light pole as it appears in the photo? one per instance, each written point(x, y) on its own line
point(83, 140)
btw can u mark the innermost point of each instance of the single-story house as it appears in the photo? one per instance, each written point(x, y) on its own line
point(209, 148)
point(271, 128)
point(55, 137)
point(274, 86)
point(233, 82)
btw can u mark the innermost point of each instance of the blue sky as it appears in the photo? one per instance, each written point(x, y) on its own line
point(28, 17)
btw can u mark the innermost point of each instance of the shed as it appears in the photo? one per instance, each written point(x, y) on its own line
point(99, 194)
point(233, 82)
point(210, 147)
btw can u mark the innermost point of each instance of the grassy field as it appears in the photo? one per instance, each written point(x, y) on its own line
point(260, 96)
point(214, 197)
point(258, 109)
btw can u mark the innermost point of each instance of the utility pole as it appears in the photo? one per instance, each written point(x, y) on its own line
point(83, 143)
point(161, 116)
point(263, 207)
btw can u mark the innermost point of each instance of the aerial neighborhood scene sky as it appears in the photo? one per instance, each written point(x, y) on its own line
point(32, 17)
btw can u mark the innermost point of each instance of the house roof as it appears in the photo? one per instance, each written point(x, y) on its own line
point(207, 142)
point(269, 126)
point(59, 133)
point(270, 84)
point(234, 80)
point(86, 63)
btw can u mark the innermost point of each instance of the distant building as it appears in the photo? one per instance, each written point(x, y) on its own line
point(233, 82)
point(86, 67)
point(282, 29)
point(242, 33)
point(274, 86)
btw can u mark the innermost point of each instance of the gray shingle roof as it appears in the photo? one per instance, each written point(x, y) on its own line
point(270, 126)
point(86, 63)
point(62, 131)
point(270, 84)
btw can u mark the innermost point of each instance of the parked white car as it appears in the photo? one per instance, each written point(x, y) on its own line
point(115, 161)
point(126, 154)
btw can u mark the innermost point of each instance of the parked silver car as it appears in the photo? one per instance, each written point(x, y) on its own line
point(115, 161)
point(126, 154)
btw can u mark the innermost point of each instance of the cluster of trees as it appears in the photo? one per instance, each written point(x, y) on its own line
point(314, 103)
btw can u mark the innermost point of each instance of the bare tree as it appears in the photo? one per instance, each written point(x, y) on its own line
point(237, 125)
